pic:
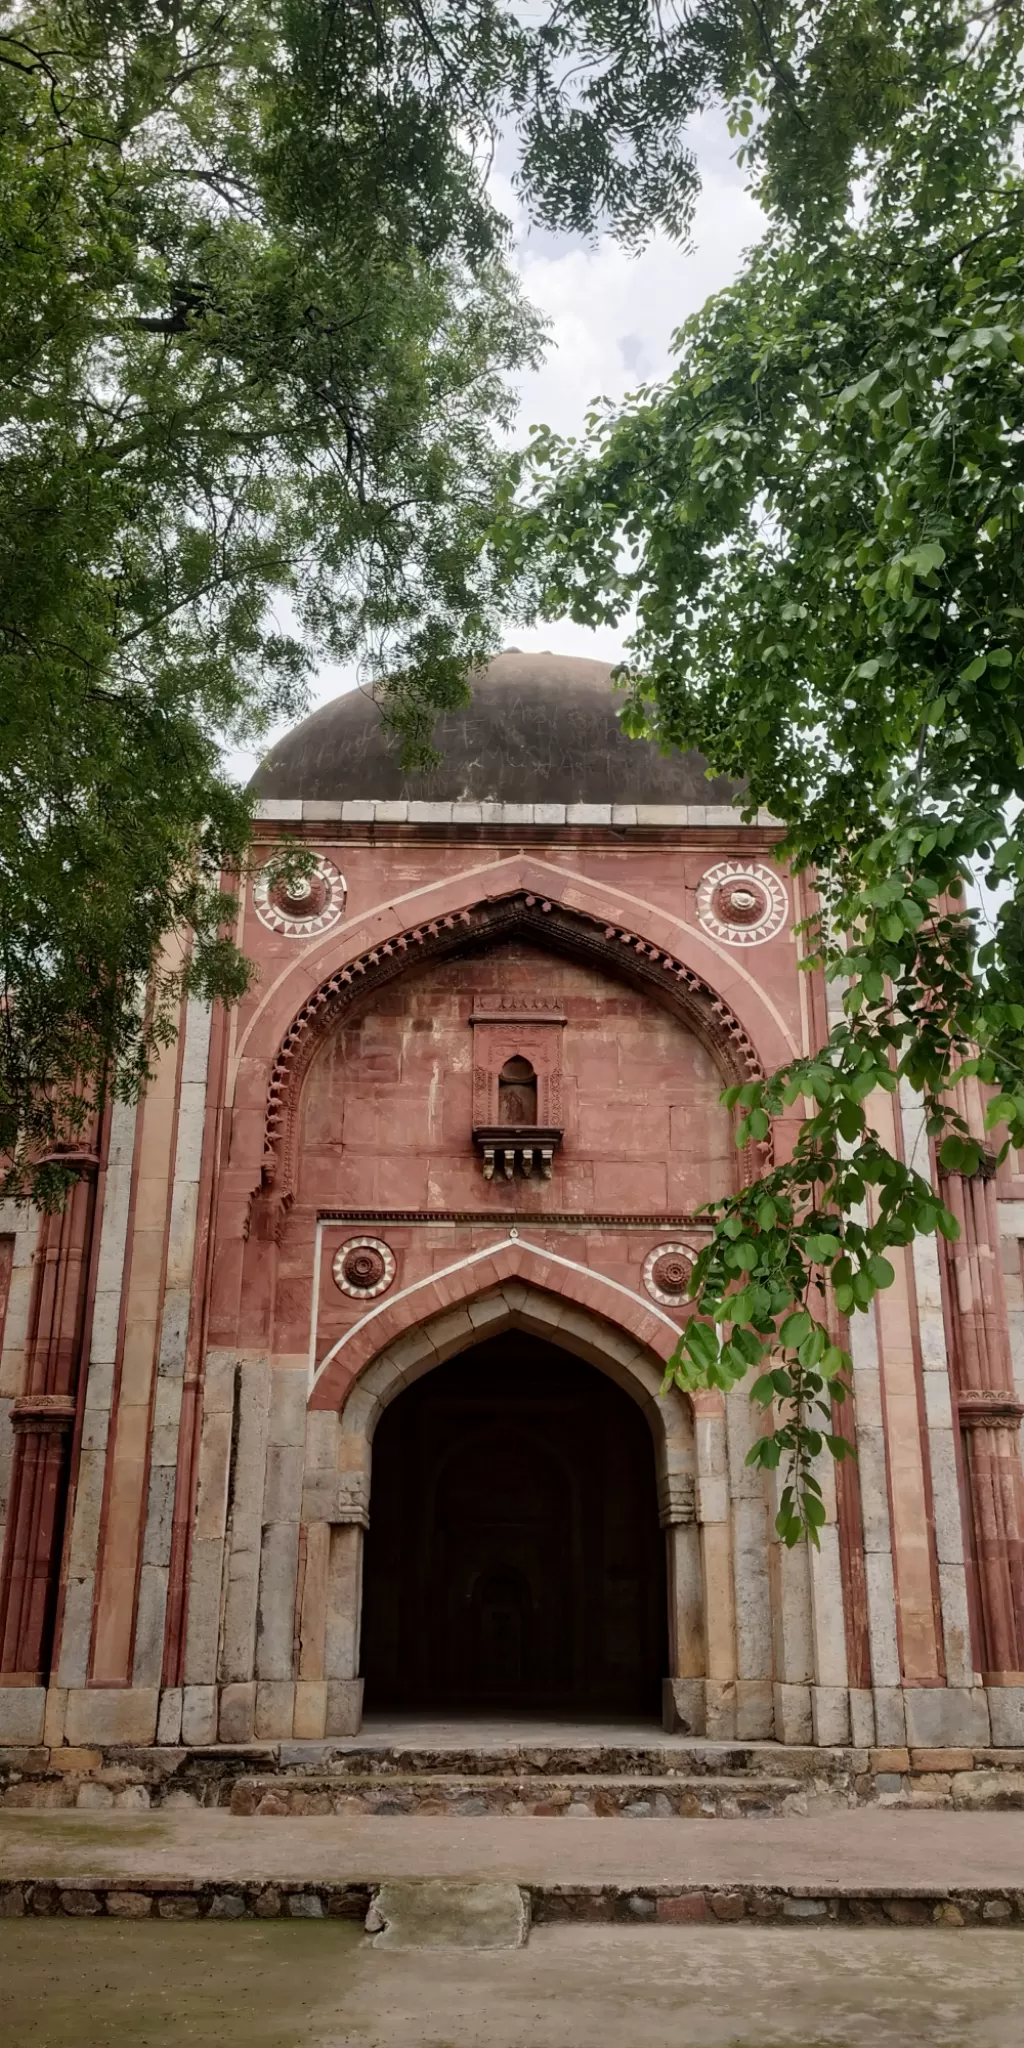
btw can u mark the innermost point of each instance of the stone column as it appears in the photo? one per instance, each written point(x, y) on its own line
point(335, 1516)
point(43, 1419)
point(716, 1566)
point(344, 1622)
point(683, 1707)
point(989, 1414)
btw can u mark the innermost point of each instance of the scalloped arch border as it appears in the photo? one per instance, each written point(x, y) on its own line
point(580, 934)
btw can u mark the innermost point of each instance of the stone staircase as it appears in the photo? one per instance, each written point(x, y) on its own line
point(635, 1778)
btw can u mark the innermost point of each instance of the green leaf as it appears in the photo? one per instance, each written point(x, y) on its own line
point(742, 1257)
point(795, 1328)
point(701, 1343)
point(882, 1273)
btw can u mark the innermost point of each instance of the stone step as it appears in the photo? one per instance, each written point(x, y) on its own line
point(694, 1777)
point(864, 1864)
point(178, 1897)
point(669, 1759)
point(574, 1797)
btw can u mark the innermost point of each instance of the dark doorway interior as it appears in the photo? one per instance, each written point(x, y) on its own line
point(514, 1557)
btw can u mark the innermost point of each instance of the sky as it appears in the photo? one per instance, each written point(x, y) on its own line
point(612, 317)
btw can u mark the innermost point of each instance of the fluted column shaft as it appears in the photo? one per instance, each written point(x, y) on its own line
point(990, 1416)
point(42, 1419)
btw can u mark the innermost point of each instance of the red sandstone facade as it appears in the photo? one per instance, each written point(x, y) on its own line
point(464, 1125)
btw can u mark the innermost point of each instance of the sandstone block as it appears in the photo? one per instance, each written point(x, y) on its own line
point(942, 1759)
point(22, 1708)
point(438, 1913)
point(344, 1706)
point(54, 1716)
point(890, 1760)
point(947, 1717)
point(682, 1706)
point(275, 1710)
point(755, 1709)
point(830, 1714)
point(78, 1760)
point(310, 1722)
point(862, 1718)
point(793, 1723)
point(275, 1622)
point(106, 1715)
point(168, 1720)
point(890, 1720)
point(720, 1709)
point(1006, 1715)
point(236, 1719)
point(198, 1715)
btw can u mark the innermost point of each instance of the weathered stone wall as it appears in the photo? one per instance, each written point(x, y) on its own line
point(222, 1476)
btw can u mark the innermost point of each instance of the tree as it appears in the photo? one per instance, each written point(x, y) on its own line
point(258, 329)
point(819, 521)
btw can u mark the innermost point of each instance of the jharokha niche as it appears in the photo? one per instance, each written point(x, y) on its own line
point(336, 1387)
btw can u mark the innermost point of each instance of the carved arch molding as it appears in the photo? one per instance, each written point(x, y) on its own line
point(624, 954)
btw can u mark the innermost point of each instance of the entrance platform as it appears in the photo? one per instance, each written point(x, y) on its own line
point(515, 1768)
point(870, 1866)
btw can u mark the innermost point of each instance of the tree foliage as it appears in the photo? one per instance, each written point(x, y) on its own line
point(818, 527)
point(257, 329)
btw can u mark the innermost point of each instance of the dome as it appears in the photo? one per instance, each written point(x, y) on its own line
point(540, 728)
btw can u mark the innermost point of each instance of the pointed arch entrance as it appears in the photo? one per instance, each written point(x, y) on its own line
point(343, 1468)
point(514, 1558)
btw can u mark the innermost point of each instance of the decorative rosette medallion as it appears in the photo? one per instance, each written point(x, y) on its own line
point(667, 1273)
point(363, 1267)
point(302, 909)
point(742, 903)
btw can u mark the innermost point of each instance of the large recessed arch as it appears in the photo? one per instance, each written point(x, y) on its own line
point(559, 927)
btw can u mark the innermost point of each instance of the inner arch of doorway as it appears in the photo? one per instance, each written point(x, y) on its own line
point(519, 1305)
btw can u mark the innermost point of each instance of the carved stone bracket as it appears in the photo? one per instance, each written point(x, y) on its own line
point(343, 1499)
point(43, 1411)
point(979, 1408)
point(531, 1148)
point(677, 1499)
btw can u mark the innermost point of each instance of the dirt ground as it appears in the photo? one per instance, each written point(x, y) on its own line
point(278, 1985)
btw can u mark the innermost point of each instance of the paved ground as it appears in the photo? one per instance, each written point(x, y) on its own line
point(71, 1984)
point(855, 1851)
point(440, 1731)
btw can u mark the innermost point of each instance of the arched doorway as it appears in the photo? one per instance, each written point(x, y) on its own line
point(514, 1558)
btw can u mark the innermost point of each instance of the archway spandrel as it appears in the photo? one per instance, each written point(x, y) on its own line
point(514, 1269)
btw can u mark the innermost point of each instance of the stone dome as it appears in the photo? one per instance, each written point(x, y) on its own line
point(540, 728)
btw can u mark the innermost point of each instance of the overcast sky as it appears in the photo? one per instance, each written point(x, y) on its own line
point(612, 317)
